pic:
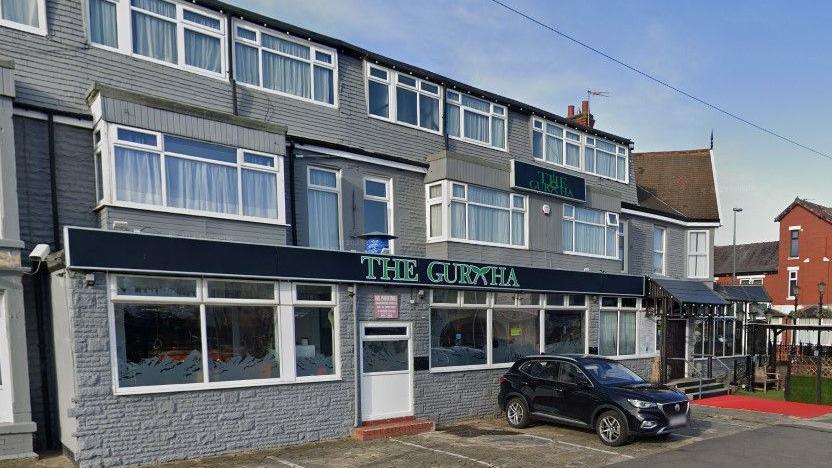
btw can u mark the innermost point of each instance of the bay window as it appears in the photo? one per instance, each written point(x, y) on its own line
point(25, 15)
point(618, 326)
point(475, 120)
point(493, 329)
point(174, 334)
point(323, 208)
point(150, 170)
point(285, 65)
point(168, 32)
point(698, 257)
point(475, 214)
point(403, 98)
point(590, 232)
point(659, 242)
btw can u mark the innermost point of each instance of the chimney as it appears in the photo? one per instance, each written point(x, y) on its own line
point(585, 107)
point(570, 111)
point(584, 117)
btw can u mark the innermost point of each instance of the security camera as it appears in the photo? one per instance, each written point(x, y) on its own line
point(40, 252)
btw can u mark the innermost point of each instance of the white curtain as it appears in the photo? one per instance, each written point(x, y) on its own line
point(21, 11)
point(518, 227)
point(488, 224)
point(589, 239)
point(627, 333)
point(498, 132)
point(476, 126)
point(458, 220)
point(323, 85)
point(573, 155)
point(612, 232)
point(247, 64)
point(609, 334)
point(589, 159)
point(606, 163)
point(452, 120)
point(138, 176)
point(428, 112)
point(323, 219)
point(202, 51)
point(259, 194)
point(201, 186)
point(568, 243)
point(436, 220)
point(103, 28)
point(554, 149)
point(154, 37)
point(286, 75)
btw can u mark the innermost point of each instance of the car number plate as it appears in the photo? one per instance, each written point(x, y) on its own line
point(676, 421)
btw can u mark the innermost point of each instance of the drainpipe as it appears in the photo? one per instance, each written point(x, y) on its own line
point(290, 157)
point(230, 64)
point(355, 355)
point(444, 120)
point(53, 183)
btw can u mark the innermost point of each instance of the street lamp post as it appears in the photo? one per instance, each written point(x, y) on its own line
point(821, 289)
point(794, 315)
point(736, 210)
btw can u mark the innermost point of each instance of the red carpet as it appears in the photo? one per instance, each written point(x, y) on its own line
point(788, 408)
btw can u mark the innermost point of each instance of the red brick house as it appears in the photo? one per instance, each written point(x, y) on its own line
point(756, 263)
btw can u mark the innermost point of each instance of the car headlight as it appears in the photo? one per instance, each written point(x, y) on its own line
point(641, 404)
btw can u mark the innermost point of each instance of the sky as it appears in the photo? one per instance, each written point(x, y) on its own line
point(767, 61)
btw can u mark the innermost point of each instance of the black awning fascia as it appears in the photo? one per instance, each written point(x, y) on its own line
point(689, 292)
point(742, 293)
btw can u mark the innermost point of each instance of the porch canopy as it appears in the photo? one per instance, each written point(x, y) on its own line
point(742, 293)
point(684, 299)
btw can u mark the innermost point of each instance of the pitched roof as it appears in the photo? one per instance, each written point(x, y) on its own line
point(758, 257)
point(680, 184)
point(742, 293)
point(823, 212)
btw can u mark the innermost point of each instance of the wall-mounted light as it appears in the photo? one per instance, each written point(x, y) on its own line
point(546, 209)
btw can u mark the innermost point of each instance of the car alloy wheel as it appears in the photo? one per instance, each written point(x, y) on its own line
point(609, 429)
point(514, 413)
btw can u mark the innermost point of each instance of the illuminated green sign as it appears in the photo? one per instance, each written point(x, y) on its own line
point(421, 271)
point(547, 181)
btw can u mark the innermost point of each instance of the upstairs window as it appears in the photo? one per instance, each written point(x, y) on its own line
point(323, 208)
point(590, 232)
point(172, 33)
point(285, 65)
point(794, 235)
point(474, 120)
point(403, 98)
point(165, 172)
point(698, 258)
point(605, 159)
point(658, 249)
point(792, 286)
point(557, 145)
point(25, 15)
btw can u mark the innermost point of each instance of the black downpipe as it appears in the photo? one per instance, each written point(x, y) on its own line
point(443, 117)
point(41, 292)
point(230, 64)
point(290, 157)
point(53, 183)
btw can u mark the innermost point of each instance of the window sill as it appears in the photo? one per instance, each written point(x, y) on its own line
point(185, 212)
point(448, 370)
point(580, 254)
point(633, 356)
point(40, 31)
point(404, 124)
point(478, 143)
point(219, 385)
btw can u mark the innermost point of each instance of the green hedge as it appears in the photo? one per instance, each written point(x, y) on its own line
point(802, 389)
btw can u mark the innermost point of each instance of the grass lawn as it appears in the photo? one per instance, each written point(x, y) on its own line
point(769, 395)
point(803, 390)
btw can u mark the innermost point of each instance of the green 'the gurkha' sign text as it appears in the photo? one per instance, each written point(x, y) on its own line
point(411, 270)
point(547, 181)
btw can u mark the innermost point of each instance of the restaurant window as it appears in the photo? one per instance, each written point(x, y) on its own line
point(172, 33)
point(474, 120)
point(590, 232)
point(285, 65)
point(403, 98)
point(24, 15)
point(378, 206)
point(698, 257)
point(323, 208)
point(162, 172)
point(475, 214)
point(618, 326)
point(174, 334)
point(659, 245)
point(494, 329)
point(794, 237)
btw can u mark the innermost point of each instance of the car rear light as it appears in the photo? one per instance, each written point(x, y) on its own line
point(502, 379)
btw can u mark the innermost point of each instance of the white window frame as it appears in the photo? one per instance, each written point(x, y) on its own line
point(663, 250)
point(283, 303)
point(793, 273)
point(124, 25)
point(312, 61)
point(447, 198)
point(392, 82)
point(323, 188)
point(496, 112)
point(6, 387)
point(623, 245)
point(490, 307)
point(619, 308)
point(690, 253)
point(608, 224)
point(108, 142)
point(792, 230)
point(585, 142)
point(751, 279)
point(41, 29)
point(388, 201)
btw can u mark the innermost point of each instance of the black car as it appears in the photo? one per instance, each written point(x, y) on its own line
point(590, 392)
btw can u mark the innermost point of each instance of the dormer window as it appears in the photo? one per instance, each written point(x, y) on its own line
point(475, 120)
point(403, 98)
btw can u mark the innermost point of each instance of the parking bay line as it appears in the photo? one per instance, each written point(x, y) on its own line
point(445, 452)
point(555, 441)
point(284, 462)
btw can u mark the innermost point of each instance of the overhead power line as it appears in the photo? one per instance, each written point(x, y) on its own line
point(661, 82)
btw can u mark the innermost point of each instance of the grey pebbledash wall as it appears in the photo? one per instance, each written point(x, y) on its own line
point(115, 430)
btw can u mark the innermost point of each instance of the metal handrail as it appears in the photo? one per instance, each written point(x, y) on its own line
point(727, 370)
point(691, 365)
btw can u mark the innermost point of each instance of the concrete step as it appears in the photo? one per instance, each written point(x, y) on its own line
point(395, 427)
point(710, 393)
point(689, 382)
point(705, 387)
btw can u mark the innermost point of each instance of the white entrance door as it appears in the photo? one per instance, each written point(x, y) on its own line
point(386, 370)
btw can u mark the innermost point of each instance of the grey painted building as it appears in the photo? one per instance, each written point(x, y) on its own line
point(227, 126)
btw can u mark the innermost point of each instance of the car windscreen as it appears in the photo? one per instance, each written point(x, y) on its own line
point(611, 373)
